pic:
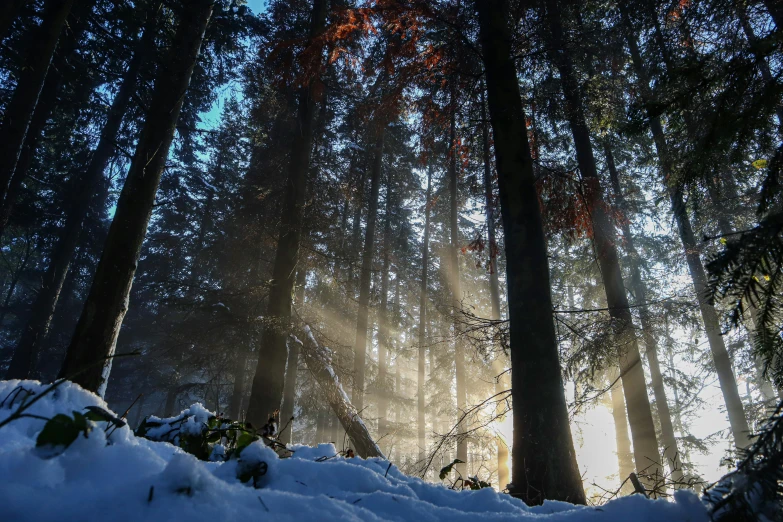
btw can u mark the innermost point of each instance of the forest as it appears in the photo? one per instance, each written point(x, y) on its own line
point(527, 245)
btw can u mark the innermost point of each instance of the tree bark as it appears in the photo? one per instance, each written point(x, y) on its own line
point(671, 452)
point(291, 368)
point(728, 384)
point(19, 110)
point(456, 289)
point(46, 102)
point(423, 299)
point(318, 361)
point(645, 442)
point(543, 458)
point(238, 391)
point(268, 383)
point(625, 462)
point(88, 359)
point(65, 53)
point(501, 379)
point(37, 327)
point(362, 315)
point(383, 317)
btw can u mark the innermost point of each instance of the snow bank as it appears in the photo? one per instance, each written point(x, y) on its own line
point(131, 478)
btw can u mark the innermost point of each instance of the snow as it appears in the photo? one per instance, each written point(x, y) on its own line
point(121, 477)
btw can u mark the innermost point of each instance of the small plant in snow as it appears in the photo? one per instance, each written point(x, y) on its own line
point(461, 482)
point(215, 438)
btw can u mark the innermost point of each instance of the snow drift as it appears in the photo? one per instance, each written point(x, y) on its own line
point(122, 477)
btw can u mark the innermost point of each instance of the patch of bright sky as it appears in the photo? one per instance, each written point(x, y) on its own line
point(211, 118)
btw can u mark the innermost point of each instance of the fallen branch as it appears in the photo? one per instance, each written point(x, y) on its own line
point(319, 362)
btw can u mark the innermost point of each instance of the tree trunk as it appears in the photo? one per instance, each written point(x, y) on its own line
point(625, 461)
point(46, 102)
point(501, 379)
point(318, 361)
point(383, 318)
point(423, 299)
point(728, 384)
point(543, 458)
point(360, 346)
point(320, 424)
point(456, 290)
point(16, 275)
point(34, 333)
point(88, 359)
point(645, 443)
point(238, 391)
point(291, 368)
point(269, 381)
point(19, 110)
point(65, 53)
point(356, 231)
point(671, 452)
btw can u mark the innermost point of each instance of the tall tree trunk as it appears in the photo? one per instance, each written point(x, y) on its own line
point(320, 424)
point(19, 110)
point(671, 452)
point(625, 462)
point(645, 443)
point(291, 368)
point(267, 391)
point(43, 109)
point(423, 299)
point(17, 274)
point(362, 315)
point(728, 384)
point(384, 340)
point(356, 230)
point(65, 61)
point(238, 391)
point(456, 290)
point(543, 457)
point(37, 327)
point(88, 359)
point(501, 379)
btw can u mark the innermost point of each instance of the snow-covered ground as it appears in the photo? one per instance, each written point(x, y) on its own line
point(132, 478)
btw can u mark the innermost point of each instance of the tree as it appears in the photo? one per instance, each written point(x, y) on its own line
point(88, 359)
point(29, 345)
point(16, 120)
point(645, 443)
point(266, 393)
point(736, 411)
point(543, 458)
point(421, 395)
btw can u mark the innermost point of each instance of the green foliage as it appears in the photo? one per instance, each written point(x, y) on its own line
point(231, 436)
point(748, 275)
point(219, 439)
point(59, 432)
point(98, 414)
point(755, 490)
point(475, 484)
